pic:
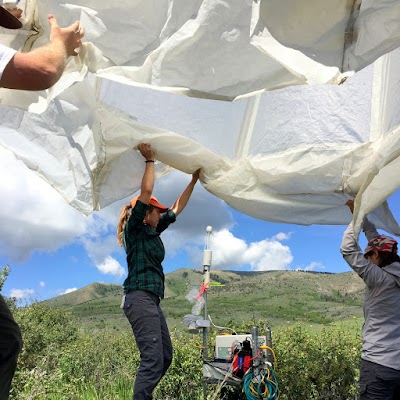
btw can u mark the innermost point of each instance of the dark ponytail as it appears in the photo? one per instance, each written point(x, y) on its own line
point(386, 258)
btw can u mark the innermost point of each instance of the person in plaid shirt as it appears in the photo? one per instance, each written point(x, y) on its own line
point(139, 228)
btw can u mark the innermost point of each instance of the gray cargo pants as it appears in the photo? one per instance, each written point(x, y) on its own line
point(378, 382)
point(10, 346)
point(152, 338)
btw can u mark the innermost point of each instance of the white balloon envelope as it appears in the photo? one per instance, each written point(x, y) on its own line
point(195, 79)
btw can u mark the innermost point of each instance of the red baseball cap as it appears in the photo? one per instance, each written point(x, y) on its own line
point(153, 202)
point(7, 20)
point(381, 243)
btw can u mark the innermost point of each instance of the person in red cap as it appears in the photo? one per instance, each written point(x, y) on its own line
point(41, 68)
point(140, 225)
point(379, 267)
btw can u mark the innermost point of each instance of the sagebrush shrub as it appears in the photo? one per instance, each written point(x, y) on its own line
point(61, 361)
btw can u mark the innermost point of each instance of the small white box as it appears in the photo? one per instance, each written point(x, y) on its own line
point(223, 344)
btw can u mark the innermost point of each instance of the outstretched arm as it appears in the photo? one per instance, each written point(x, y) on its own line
point(370, 273)
point(148, 176)
point(43, 67)
point(183, 199)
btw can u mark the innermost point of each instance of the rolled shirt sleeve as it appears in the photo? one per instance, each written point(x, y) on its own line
point(6, 54)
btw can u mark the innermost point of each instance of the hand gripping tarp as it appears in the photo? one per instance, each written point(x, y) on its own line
point(290, 155)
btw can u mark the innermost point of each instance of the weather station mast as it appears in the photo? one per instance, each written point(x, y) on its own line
point(207, 257)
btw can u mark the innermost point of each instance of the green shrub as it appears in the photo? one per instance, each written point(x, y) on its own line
point(320, 366)
point(4, 272)
point(184, 378)
point(44, 329)
point(46, 332)
point(62, 362)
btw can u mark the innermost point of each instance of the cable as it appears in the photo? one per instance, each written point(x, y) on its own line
point(272, 352)
point(220, 327)
point(265, 385)
point(262, 387)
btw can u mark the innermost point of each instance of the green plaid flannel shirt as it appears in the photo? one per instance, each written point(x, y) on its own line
point(145, 251)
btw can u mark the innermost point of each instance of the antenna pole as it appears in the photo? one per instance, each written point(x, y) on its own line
point(206, 281)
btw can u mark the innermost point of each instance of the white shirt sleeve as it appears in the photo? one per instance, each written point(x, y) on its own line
point(6, 54)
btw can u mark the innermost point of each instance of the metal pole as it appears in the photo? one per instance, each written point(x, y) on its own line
point(255, 352)
point(270, 357)
point(205, 344)
point(205, 333)
point(206, 280)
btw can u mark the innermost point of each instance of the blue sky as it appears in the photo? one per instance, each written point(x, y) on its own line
point(51, 248)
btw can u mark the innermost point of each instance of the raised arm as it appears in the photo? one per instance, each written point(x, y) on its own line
point(182, 200)
point(148, 176)
point(371, 274)
point(43, 67)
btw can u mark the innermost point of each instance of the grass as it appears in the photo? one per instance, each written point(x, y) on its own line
point(274, 296)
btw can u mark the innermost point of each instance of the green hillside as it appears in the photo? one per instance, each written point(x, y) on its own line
point(278, 297)
point(86, 294)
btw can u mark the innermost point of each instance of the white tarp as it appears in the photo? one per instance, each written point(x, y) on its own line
point(290, 155)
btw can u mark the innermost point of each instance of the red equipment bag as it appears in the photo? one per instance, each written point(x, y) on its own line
point(242, 360)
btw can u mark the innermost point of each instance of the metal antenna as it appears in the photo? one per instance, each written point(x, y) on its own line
point(206, 281)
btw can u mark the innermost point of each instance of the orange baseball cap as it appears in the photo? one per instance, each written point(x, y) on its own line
point(153, 202)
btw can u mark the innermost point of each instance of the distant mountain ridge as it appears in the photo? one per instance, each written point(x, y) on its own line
point(276, 296)
point(85, 294)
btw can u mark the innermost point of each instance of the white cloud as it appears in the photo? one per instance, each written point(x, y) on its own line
point(70, 290)
point(314, 266)
point(202, 210)
point(230, 252)
point(43, 221)
point(34, 216)
point(99, 248)
point(111, 266)
point(269, 255)
point(227, 249)
point(20, 294)
point(98, 226)
point(282, 236)
point(42, 284)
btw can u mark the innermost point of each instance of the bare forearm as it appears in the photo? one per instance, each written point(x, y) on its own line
point(41, 68)
point(183, 199)
point(148, 180)
point(54, 54)
point(148, 176)
point(36, 70)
